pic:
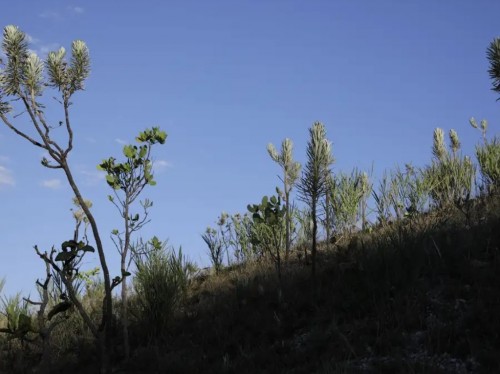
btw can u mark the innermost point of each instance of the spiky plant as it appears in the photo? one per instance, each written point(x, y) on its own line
point(409, 191)
point(382, 198)
point(241, 237)
point(215, 246)
point(313, 183)
point(488, 157)
point(161, 282)
point(347, 197)
point(291, 171)
point(450, 177)
point(493, 55)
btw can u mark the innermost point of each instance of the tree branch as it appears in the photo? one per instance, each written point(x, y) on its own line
point(20, 133)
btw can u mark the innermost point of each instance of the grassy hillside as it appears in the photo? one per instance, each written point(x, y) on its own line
point(419, 296)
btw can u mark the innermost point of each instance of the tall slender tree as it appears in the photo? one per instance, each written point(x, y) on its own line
point(291, 171)
point(313, 183)
point(22, 84)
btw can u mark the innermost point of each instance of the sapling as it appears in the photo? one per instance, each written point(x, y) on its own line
point(313, 183)
point(291, 171)
point(128, 179)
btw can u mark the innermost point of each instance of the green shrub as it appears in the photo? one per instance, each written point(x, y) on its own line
point(161, 282)
point(451, 175)
point(488, 157)
point(348, 195)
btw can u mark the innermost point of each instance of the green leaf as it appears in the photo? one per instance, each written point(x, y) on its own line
point(152, 183)
point(87, 248)
point(65, 256)
point(130, 151)
point(142, 151)
point(69, 244)
point(161, 136)
point(110, 179)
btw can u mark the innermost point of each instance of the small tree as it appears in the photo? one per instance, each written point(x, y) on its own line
point(215, 246)
point(291, 171)
point(130, 177)
point(268, 227)
point(218, 241)
point(313, 183)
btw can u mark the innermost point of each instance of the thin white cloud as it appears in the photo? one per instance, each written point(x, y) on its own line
point(121, 141)
point(6, 177)
point(59, 15)
point(42, 50)
point(53, 184)
point(76, 9)
point(161, 165)
point(92, 178)
point(31, 39)
point(50, 14)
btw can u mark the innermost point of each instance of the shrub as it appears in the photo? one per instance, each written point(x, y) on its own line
point(160, 282)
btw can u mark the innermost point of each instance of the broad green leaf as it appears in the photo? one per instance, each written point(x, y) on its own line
point(87, 248)
point(65, 256)
point(130, 151)
point(143, 150)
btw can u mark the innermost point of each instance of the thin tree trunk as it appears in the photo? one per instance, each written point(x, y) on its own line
point(313, 249)
point(288, 222)
point(126, 345)
point(327, 217)
point(105, 346)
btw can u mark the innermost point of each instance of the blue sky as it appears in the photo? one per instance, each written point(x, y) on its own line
point(223, 79)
